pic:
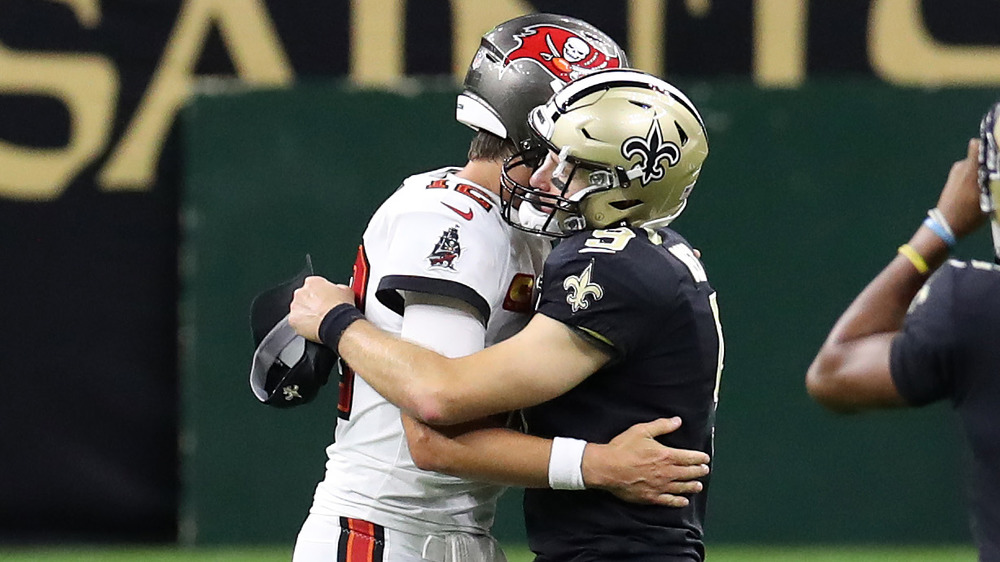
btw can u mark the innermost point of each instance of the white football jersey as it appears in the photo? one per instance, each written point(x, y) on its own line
point(436, 234)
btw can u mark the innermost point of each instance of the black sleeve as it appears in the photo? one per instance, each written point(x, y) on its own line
point(618, 299)
point(923, 354)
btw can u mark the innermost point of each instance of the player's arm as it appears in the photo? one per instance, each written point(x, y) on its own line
point(541, 362)
point(851, 371)
point(633, 466)
point(432, 373)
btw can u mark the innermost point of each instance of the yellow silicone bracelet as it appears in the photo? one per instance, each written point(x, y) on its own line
point(915, 258)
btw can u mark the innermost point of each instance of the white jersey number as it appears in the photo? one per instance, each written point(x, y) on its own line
point(608, 240)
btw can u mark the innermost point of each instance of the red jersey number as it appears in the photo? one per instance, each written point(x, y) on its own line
point(359, 283)
point(481, 197)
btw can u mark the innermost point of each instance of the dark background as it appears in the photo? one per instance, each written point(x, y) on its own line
point(90, 342)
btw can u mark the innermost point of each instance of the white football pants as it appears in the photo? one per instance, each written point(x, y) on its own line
point(340, 539)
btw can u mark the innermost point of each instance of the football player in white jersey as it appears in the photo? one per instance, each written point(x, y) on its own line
point(440, 266)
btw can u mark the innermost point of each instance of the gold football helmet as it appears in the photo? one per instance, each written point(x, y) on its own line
point(638, 141)
point(989, 172)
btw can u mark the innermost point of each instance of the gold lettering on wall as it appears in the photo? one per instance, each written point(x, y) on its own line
point(256, 51)
point(902, 51)
point(88, 12)
point(779, 38)
point(377, 37)
point(87, 85)
point(698, 8)
point(647, 35)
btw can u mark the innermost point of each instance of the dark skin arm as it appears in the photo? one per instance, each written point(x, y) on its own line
point(851, 371)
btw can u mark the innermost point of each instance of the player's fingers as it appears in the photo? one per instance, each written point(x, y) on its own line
point(689, 473)
point(690, 487)
point(670, 500)
point(973, 151)
point(659, 426)
point(686, 457)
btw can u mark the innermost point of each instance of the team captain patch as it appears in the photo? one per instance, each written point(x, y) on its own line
point(446, 251)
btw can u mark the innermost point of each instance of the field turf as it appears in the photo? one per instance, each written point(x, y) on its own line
point(727, 553)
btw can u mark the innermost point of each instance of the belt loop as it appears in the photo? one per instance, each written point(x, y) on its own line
point(435, 549)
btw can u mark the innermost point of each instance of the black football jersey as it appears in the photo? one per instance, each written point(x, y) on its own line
point(650, 303)
point(949, 349)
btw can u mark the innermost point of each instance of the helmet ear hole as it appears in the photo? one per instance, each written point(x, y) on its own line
point(625, 204)
point(683, 135)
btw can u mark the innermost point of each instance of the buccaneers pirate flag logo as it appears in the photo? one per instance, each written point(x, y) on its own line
point(446, 251)
point(561, 52)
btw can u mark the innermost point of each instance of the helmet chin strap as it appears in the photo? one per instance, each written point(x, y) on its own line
point(995, 226)
point(987, 204)
point(665, 221)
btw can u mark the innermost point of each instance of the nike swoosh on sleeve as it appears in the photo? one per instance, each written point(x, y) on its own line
point(467, 215)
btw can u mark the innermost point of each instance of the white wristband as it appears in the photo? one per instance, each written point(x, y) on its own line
point(566, 464)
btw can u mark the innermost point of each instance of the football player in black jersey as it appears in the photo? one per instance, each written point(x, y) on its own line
point(626, 328)
point(926, 329)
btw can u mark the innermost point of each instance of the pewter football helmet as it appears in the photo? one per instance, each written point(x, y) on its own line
point(636, 140)
point(522, 62)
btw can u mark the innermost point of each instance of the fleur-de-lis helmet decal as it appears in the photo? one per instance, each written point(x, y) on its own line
point(652, 150)
point(629, 149)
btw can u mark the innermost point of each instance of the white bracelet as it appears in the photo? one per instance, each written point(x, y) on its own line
point(937, 216)
point(566, 464)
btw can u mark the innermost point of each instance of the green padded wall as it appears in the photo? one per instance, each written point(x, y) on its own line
point(805, 196)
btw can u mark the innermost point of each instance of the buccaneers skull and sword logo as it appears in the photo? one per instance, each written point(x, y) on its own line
point(563, 53)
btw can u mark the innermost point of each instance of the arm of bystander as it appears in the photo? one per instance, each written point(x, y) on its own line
point(851, 372)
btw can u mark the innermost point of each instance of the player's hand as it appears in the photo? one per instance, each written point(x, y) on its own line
point(637, 468)
point(959, 201)
point(311, 303)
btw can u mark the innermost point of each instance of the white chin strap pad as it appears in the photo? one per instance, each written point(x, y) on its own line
point(532, 218)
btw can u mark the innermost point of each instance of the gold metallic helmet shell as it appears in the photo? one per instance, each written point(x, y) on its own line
point(642, 136)
point(989, 171)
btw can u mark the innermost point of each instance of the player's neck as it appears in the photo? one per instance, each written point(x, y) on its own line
point(484, 173)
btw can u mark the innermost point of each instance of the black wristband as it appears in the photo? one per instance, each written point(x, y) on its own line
point(335, 322)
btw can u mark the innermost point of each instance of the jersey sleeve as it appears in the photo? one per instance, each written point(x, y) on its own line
point(923, 354)
point(433, 249)
point(617, 298)
point(446, 330)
